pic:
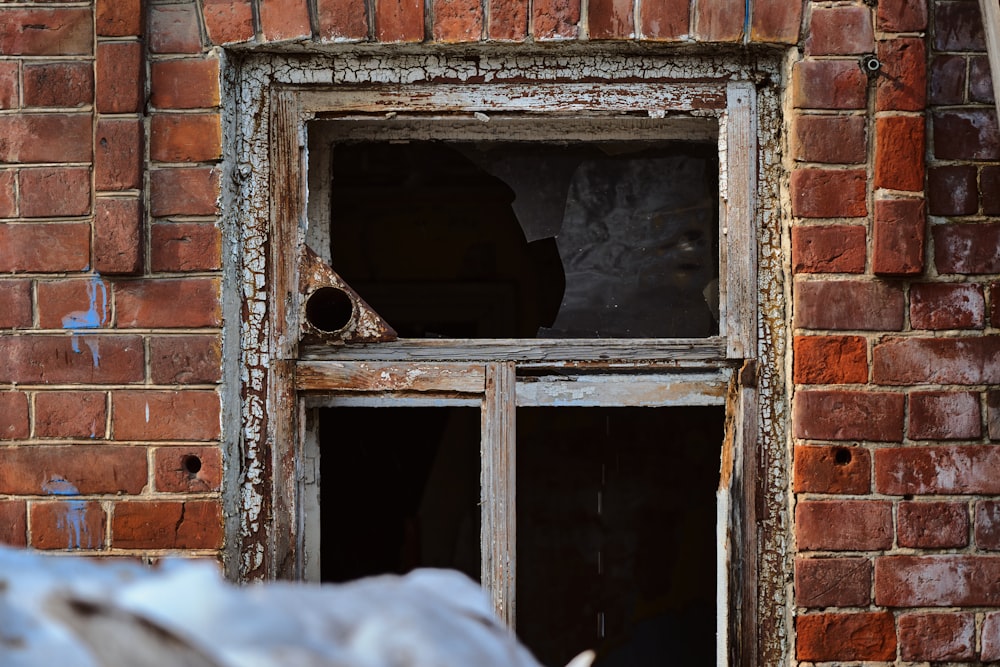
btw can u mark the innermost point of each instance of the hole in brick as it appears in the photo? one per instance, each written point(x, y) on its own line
point(329, 309)
point(908, 496)
point(842, 456)
point(192, 464)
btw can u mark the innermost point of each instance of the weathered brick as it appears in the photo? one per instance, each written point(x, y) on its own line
point(848, 415)
point(937, 637)
point(993, 414)
point(821, 469)
point(899, 153)
point(118, 154)
point(980, 81)
point(44, 247)
point(849, 304)
point(192, 524)
point(775, 21)
point(947, 306)
point(15, 295)
point(8, 197)
point(185, 84)
point(844, 637)
point(118, 236)
point(185, 137)
point(187, 469)
point(901, 15)
point(840, 31)
point(342, 20)
point(165, 415)
point(828, 84)
point(947, 79)
point(719, 21)
point(229, 21)
point(958, 26)
point(933, 525)
point(13, 523)
point(954, 469)
point(284, 20)
point(665, 20)
point(119, 77)
point(988, 525)
point(8, 84)
point(952, 190)
point(399, 21)
point(46, 32)
point(71, 469)
point(830, 139)
point(902, 85)
point(610, 19)
point(828, 193)
point(991, 637)
point(59, 84)
point(937, 581)
point(70, 414)
point(13, 415)
point(966, 134)
point(937, 361)
point(185, 246)
point(45, 137)
point(967, 248)
point(189, 302)
point(54, 192)
point(843, 525)
point(989, 183)
point(187, 191)
point(828, 249)
point(833, 582)
point(174, 29)
point(507, 20)
point(75, 303)
point(189, 359)
point(119, 18)
point(555, 19)
point(899, 236)
point(830, 360)
point(83, 358)
point(462, 20)
point(67, 524)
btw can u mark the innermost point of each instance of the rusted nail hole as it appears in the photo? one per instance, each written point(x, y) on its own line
point(842, 456)
point(192, 464)
point(329, 309)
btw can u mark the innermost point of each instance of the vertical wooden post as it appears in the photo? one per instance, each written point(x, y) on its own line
point(991, 25)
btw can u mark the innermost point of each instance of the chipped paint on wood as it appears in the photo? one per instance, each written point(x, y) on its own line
point(625, 390)
point(361, 376)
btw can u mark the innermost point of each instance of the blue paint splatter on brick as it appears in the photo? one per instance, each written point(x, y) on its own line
point(95, 316)
point(74, 517)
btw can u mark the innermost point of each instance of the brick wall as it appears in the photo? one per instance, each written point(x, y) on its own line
point(110, 144)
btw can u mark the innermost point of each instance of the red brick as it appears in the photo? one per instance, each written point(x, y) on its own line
point(165, 415)
point(830, 360)
point(937, 581)
point(776, 21)
point(848, 415)
point(840, 31)
point(185, 84)
point(842, 637)
point(901, 15)
point(958, 26)
point(43, 247)
point(937, 637)
point(342, 20)
point(8, 84)
point(188, 191)
point(188, 302)
point(399, 21)
point(54, 192)
point(610, 19)
point(947, 79)
point(665, 20)
point(61, 84)
point(64, 469)
point(967, 248)
point(966, 134)
point(899, 153)
point(843, 525)
point(507, 20)
point(828, 249)
point(187, 469)
point(993, 414)
point(830, 139)
point(15, 295)
point(228, 21)
point(555, 19)
point(902, 84)
point(46, 32)
point(75, 303)
point(174, 29)
point(954, 469)
point(952, 190)
point(934, 525)
point(989, 183)
point(899, 230)
point(991, 637)
point(13, 523)
point(67, 524)
point(48, 137)
point(189, 359)
point(118, 154)
point(8, 198)
point(185, 137)
point(70, 414)
point(82, 358)
point(13, 415)
point(832, 470)
point(719, 21)
point(119, 77)
point(192, 524)
point(833, 582)
point(829, 84)
point(284, 20)
point(185, 246)
point(118, 236)
point(846, 304)
point(119, 18)
point(937, 361)
point(988, 525)
point(458, 20)
point(827, 193)
point(947, 306)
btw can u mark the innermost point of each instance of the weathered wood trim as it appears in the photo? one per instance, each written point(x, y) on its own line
point(363, 376)
point(991, 24)
point(625, 390)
